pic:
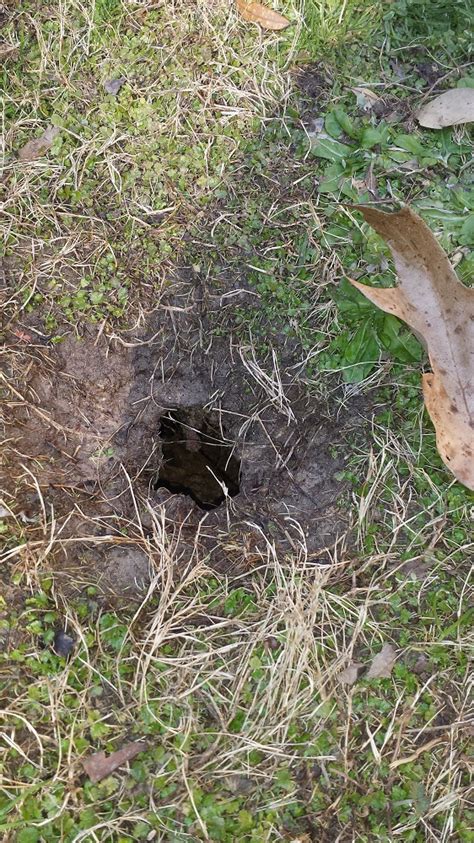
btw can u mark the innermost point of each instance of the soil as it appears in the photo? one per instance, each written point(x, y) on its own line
point(430, 71)
point(314, 81)
point(118, 436)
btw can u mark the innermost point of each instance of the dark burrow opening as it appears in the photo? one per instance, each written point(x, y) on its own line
point(196, 461)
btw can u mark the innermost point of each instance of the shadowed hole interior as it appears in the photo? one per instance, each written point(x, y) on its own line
point(196, 460)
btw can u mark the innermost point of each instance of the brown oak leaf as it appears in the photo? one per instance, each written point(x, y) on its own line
point(430, 298)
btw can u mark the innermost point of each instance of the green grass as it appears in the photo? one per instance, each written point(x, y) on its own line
point(202, 160)
point(259, 758)
point(122, 180)
point(330, 25)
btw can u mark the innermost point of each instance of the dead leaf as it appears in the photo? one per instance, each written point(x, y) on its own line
point(418, 568)
point(371, 181)
point(240, 784)
point(382, 663)
point(439, 309)
point(24, 336)
point(36, 148)
point(449, 109)
point(315, 127)
point(350, 674)
point(368, 183)
point(257, 13)
point(99, 765)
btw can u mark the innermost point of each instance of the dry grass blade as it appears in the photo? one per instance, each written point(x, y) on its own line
point(271, 384)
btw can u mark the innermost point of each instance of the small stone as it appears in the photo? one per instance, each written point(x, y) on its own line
point(112, 86)
point(63, 644)
point(422, 665)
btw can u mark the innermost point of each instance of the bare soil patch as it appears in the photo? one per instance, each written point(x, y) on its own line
point(105, 435)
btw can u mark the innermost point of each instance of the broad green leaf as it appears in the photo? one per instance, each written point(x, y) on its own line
point(28, 835)
point(361, 354)
point(466, 270)
point(370, 137)
point(331, 178)
point(335, 234)
point(349, 191)
point(410, 144)
point(345, 122)
point(331, 149)
point(463, 198)
point(467, 232)
point(351, 299)
point(465, 82)
point(399, 342)
point(332, 125)
point(400, 157)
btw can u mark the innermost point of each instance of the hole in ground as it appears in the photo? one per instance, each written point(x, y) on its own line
point(196, 460)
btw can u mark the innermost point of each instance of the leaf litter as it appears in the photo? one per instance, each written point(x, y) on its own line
point(440, 310)
point(99, 765)
point(350, 674)
point(380, 667)
point(448, 109)
point(8, 51)
point(37, 147)
point(263, 15)
point(382, 664)
point(366, 98)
